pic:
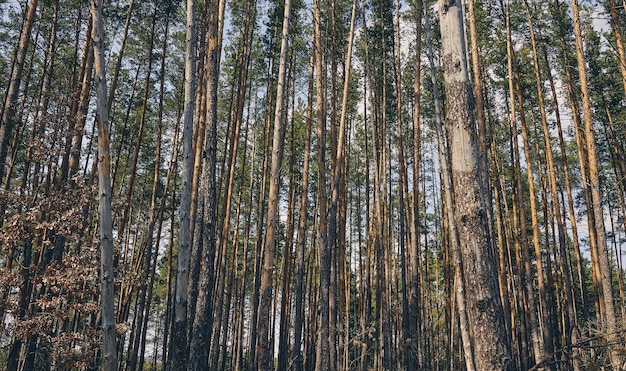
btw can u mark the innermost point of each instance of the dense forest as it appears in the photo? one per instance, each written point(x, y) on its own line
point(312, 185)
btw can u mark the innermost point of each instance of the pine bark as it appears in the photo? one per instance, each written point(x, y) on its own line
point(205, 231)
point(178, 358)
point(450, 224)
point(486, 317)
point(109, 355)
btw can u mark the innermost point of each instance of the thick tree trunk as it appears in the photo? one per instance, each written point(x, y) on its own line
point(486, 317)
point(452, 235)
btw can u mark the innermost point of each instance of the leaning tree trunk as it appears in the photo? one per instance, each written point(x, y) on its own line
point(486, 317)
point(109, 355)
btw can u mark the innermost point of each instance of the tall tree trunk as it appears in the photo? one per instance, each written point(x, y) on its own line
point(120, 56)
point(147, 252)
point(261, 209)
point(619, 44)
point(206, 229)
point(581, 147)
point(302, 227)
point(178, 358)
point(570, 199)
point(142, 124)
point(9, 112)
point(486, 317)
point(479, 86)
point(452, 235)
point(232, 161)
point(322, 360)
point(530, 312)
point(405, 351)
point(563, 260)
point(533, 311)
point(266, 358)
point(609, 319)
point(285, 296)
point(109, 355)
point(414, 256)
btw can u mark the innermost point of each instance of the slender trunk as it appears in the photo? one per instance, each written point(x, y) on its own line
point(405, 352)
point(365, 354)
point(142, 122)
point(414, 256)
point(259, 239)
point(228, 197)
point(172, 165)
point(570, 199)
point(41, 113)
point(479, 87)
point(302, 228)
point(563, 260)
point(120, 56)
point(285, 296)
point(609, 319)
point(244, 270)
point(153, 214)
point(83, 106)
point(9, 114)
point(581, 147)
point(109, 355)
point(206, 230)
point(619, 44)
point(533, 311)
point(266, 358)
point(526, 278)
point(178, 358)
point(322, 361)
